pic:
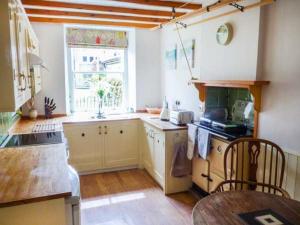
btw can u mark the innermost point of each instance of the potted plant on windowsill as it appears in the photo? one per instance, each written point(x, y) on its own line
point(101, 94)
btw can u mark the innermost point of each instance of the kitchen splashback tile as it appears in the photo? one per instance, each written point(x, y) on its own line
point(219, 97)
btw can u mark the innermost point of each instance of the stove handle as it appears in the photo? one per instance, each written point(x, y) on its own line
point(219, 135)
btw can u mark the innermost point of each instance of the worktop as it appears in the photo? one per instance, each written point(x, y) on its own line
point(33, 174)
point(37, 173)
point(162, 125)
point(26, 126)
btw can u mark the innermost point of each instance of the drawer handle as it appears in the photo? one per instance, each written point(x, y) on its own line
point(121, 131)
point(219, 149)
point(204, 175)
point(100, 130)
point(105, 132)
point(83, 134)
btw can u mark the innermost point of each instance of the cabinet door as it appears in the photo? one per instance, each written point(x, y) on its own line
point(216, 156)
point(214, 181)
point(121, 146)
point(159, 158)
point(19, 97)
point(35, 76)
point(85, 142)
point(23, 67)
point(147, 148)
point(200, 173)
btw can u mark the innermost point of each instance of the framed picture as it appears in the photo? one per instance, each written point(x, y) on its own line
point(171, 58)
point(189, 47)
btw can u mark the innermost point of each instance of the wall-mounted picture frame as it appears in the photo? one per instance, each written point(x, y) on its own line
point(189, 47)
point(171, 58)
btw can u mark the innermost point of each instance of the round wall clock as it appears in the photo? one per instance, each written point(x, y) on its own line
point(224, 34)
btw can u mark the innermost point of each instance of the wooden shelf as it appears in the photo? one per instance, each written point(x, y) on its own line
point(254, 86)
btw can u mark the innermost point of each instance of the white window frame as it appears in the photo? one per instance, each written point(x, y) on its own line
point(72, 82)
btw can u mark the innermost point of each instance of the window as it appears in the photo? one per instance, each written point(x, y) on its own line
point(99, 81)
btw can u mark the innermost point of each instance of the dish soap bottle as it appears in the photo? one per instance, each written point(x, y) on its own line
point(164, 115)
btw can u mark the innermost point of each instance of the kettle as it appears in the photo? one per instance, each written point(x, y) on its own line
point(165, 114)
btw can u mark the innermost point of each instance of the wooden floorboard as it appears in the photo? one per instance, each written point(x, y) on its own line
point(131, 197)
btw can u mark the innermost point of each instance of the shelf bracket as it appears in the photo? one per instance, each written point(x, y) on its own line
point(239, 7)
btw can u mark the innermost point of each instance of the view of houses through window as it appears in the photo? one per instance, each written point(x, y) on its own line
point(98, 77)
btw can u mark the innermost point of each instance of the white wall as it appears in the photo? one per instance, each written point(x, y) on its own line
point(264, 46)
point(51, 38)
point(280, 61)
point(148, 62)
point(236, 61)
point(144, 77)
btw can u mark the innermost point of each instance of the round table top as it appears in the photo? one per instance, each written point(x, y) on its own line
point(224, 208)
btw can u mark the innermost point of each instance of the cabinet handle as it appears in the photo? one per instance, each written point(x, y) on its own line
point(83, 134)
point(219, 149)
point(105, 132)
point(121, 131)
point(22, 76)
point(100, 130)
point(30, 81)
point(204, 175)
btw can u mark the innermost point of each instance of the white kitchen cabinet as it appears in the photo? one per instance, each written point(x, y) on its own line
point(35, 71)
point(15, 83)
point(158, 152)
point(121, 144)
point(147, 145)
point(103, 145)
point(85, 141)
point(159, 157)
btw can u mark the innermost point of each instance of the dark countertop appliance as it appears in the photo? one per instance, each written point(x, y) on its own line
point(33, 139)
point(226, 129)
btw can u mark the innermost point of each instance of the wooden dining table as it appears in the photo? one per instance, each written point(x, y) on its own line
point(246, 207)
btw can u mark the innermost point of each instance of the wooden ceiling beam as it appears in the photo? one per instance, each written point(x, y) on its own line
point(111, 9)
point(90, 22)
point(213, 7)
point(183, 5)
point(93, 15)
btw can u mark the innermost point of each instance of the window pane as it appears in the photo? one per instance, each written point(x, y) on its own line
point(100, 81)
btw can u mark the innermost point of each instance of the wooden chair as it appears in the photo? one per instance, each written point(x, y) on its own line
point(253, 164)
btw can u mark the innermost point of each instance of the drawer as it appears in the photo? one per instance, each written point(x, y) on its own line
point(216, 156)
point(214, 181)
point(200, 173)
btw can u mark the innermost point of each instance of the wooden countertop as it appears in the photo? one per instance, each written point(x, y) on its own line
point(162, 125)
point(31, 174)
point(37, 173)
point(24, 126)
